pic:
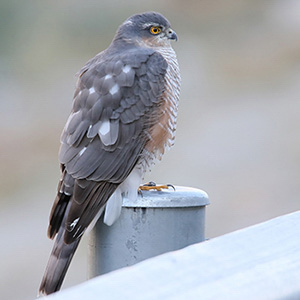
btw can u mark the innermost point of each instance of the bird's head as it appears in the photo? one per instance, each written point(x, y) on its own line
point(148, 29)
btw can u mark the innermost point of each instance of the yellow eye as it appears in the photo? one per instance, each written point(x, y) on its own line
point(155, 30)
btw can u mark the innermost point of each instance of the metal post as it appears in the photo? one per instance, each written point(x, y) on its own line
point(156, 223)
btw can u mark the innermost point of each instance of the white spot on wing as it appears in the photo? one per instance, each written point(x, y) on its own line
point(82, 151)
point(108, 76)
point(92, 90)
point(75, 222)
point(71, 226)
point(75, 234)
point(104, 128)
point(72, 115)
point(114, 89)
point(126, 69)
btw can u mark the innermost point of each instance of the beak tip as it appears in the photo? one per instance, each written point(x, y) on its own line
point(172, 35)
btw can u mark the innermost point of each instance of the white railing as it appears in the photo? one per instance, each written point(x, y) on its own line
point(258, 262)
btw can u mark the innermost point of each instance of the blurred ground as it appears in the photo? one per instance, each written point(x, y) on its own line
point(237, 130)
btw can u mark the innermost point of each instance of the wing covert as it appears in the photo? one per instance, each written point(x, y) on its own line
point(116, 100)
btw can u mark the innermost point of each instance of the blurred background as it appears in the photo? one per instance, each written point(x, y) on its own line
point(238, 127)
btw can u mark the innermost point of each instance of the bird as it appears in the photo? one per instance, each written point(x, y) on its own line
point(123, 120)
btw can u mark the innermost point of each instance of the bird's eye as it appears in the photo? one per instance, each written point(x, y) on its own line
point(155, 30)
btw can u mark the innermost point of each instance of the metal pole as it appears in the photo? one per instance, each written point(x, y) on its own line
point(156, 223)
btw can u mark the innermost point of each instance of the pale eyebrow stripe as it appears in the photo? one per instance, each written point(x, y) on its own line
point(151, 24)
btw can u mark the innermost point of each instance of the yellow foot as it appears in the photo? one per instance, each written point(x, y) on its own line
point(152, 186)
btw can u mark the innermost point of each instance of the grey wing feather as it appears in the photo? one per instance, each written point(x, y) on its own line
point(116, 100)
point(142, 93)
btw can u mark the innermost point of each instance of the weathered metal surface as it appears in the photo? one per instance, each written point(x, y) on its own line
point(156, 223)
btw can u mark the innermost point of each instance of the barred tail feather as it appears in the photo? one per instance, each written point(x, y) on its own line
point(58, 264)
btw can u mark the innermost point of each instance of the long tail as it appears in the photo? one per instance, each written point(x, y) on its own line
point(58, 264)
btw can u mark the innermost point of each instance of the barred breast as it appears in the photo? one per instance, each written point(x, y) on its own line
point(162, 134)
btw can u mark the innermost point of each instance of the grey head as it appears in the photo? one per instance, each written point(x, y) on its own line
point(149, 29)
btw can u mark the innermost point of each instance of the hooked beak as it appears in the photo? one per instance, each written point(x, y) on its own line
point(171, 34)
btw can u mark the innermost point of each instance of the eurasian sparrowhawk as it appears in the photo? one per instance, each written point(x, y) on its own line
point(123, 120)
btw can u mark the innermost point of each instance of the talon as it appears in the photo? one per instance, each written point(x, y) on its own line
point(172, 186)
point(152, 186)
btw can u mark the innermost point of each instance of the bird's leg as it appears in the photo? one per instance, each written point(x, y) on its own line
point(152, 186)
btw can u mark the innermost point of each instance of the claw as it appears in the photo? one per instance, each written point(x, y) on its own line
point(152, 186)
point(172, 186)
